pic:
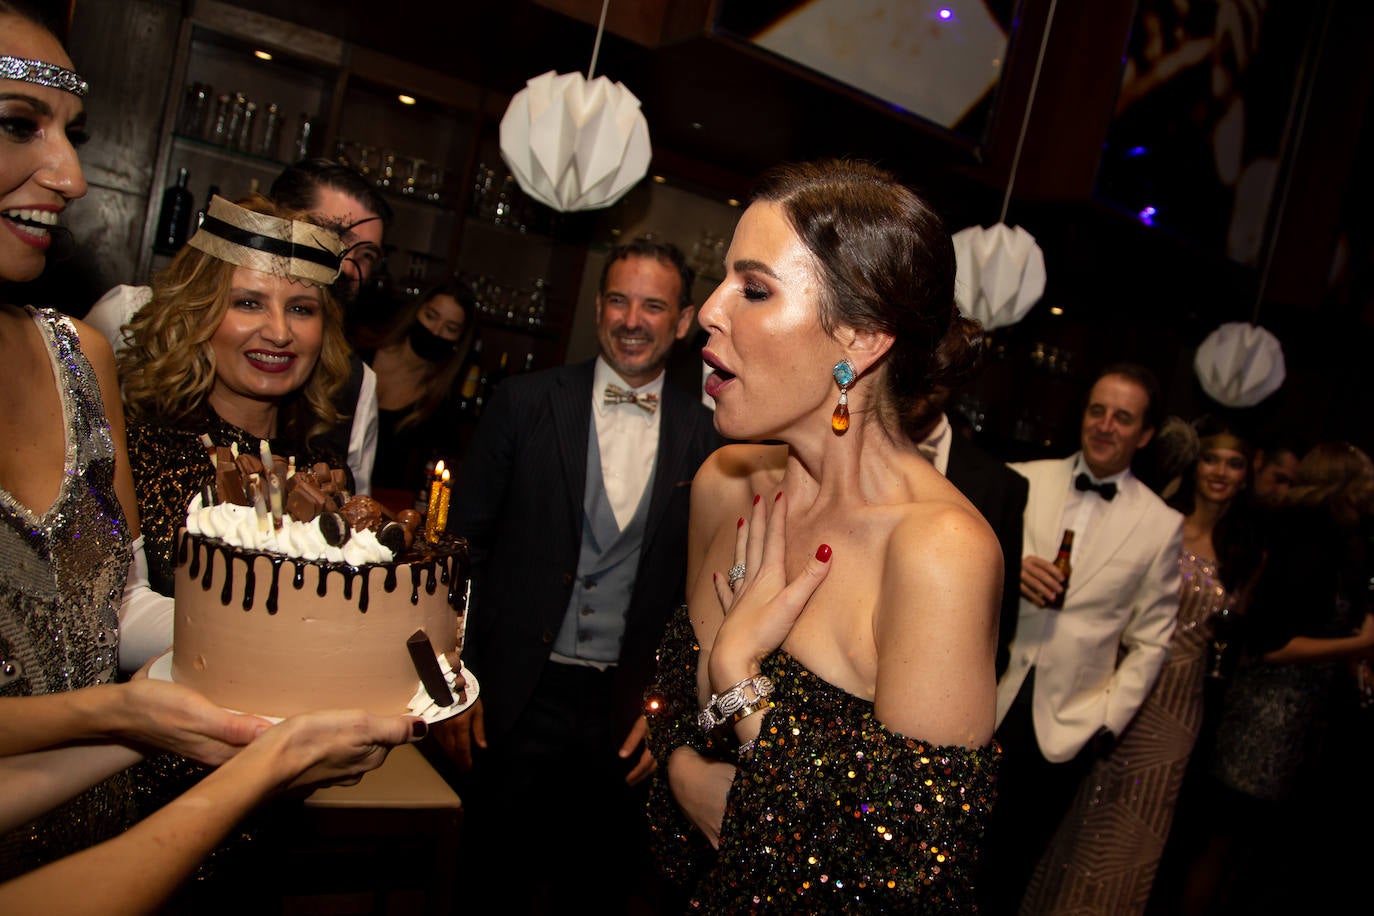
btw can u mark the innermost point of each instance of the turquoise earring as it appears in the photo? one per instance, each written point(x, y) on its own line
point(844, 377)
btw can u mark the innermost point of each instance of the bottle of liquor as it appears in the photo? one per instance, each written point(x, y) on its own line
point(529, 362)
point(498, 374)
point(472, 376)
point(209, 196)
point(1061, 562)
point(174, 219)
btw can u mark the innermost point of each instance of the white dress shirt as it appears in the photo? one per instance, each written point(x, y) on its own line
point(1083, 508)
point(627, 436)
point(937, 445)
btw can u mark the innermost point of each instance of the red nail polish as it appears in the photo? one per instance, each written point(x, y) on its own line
point(823, 553)
point(778, 497)
point(757, 497)
point(740, 523)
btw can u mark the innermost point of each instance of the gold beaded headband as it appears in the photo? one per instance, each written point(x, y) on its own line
point(42, 73)
point(1226, 441)
point(283, 247)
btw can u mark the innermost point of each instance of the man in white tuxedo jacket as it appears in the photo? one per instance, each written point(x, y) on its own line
point(1076, 676)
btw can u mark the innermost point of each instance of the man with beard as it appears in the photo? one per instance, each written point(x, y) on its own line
point(336, 196)
point(574, 497)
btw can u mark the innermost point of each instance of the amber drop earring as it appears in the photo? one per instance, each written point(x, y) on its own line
point(844, 377)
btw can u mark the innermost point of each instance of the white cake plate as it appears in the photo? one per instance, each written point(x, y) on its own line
point(420, 705)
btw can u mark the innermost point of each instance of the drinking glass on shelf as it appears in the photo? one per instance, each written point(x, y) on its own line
point(369, 161)
point(386, 173)
point(407, 168)
point(218, 130)
point(432, 183)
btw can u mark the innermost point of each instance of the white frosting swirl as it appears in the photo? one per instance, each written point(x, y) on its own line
point(239, 526)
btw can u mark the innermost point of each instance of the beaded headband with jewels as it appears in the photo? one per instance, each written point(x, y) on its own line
point(42, 73)
point(283, 247)
point(1225, 440)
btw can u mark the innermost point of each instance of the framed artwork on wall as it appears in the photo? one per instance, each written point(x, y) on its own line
point(939, 63)
point(1211, 102)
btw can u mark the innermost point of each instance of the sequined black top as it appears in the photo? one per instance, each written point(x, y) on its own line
point(830, 813)
point(60, 590)
point(171, 465)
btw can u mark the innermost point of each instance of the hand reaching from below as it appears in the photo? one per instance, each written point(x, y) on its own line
point(763, 606)
point(458, 735)
point(700, 787)
point(645, 766)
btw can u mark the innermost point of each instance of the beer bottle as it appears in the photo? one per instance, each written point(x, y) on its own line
point(1061, 562)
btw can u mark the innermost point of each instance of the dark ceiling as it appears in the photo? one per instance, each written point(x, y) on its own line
point(718, 112)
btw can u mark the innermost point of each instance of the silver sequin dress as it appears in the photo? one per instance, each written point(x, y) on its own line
point(61, 579)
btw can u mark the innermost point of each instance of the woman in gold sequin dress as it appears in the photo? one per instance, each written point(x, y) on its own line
point(823, 732)
point(1105, 855)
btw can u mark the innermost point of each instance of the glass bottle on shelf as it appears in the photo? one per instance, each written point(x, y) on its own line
point(270, 142)
point(472, 376)
point(236, 109)
point(249, 121)
point(174, 219)
point(218, 131)
point(209, 196)
point(300, 147)
point(194, 110)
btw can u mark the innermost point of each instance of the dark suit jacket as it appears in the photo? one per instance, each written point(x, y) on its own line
point(1000, 494)
point(519, 504)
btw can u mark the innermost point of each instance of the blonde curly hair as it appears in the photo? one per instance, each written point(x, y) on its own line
point(168, 370)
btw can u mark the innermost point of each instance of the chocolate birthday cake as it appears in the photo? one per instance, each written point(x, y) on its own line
point(292, 595)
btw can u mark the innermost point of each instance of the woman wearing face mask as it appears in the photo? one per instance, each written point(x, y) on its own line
point(417, 368)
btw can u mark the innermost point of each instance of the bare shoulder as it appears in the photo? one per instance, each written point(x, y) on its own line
point(934, 539)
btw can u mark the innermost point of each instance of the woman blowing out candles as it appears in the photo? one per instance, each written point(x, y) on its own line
point(828, 745)
point(69, 525)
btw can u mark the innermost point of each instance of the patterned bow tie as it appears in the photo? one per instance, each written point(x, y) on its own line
point(1106, 490)
point(617, 395)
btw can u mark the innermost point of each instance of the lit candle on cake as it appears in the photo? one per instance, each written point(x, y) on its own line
point(431, 508)
point(442, 524)
point(265, 452)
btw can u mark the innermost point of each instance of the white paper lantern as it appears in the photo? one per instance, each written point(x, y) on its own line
point(1239, 364)
point(1001, 273)
point(575, 144)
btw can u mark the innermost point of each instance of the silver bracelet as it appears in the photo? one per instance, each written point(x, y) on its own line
point(725, 704)
point(747, 746)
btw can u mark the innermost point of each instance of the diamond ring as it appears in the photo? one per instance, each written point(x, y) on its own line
point(735, 574)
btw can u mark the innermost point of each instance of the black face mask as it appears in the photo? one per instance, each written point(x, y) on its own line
point(428, 345)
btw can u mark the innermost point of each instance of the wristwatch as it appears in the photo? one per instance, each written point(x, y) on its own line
point(724, 705)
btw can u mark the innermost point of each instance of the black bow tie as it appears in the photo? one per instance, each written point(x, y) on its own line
point(1106, 490)
point(617, 395)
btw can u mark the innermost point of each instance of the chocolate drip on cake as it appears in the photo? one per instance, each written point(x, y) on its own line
point(272, 604)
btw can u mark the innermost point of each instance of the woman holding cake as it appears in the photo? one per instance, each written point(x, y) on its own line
point(823, 715)
point(241, 344)
point(69, 528)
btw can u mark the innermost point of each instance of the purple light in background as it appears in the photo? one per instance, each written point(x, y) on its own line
point(946, 13)
point(1137, 151)
point(1147, 216)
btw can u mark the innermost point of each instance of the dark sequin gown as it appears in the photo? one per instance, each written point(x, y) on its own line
point(63, 578)
point(830, 813)
point(1105, 854)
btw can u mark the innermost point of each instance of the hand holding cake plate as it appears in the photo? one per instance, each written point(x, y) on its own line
point(463, 686)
